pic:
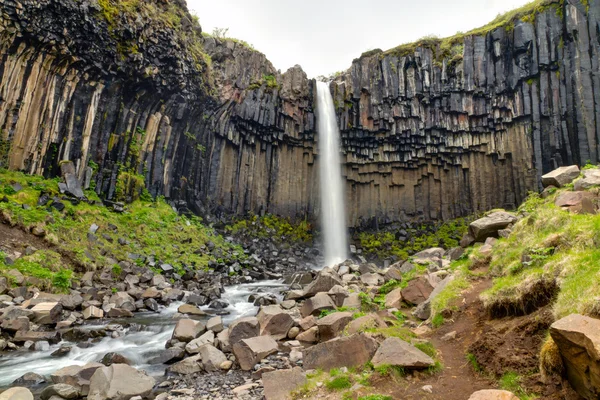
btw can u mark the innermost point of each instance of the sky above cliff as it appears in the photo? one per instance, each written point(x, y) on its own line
point(324, 36)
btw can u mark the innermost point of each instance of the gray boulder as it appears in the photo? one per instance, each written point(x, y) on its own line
point(349, 351)
point(249, 352)
point(396, 352)
point(489, 225)
point(560, 176)
point(316, 304)
point(119, 382)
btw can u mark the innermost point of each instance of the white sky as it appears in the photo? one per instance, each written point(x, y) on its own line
point(324, 36)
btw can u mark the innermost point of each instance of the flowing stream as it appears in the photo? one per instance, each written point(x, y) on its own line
point(333, 218)
point(143, 338)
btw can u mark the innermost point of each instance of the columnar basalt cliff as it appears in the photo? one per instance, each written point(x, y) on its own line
point(135, 96)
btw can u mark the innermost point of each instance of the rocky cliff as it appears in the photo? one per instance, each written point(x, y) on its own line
point(136, 96)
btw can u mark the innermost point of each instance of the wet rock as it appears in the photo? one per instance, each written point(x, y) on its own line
point(61, 351)
point(396, 352)
point(243, 328)
point(332, 325)
point(249, 352)
point(578, 341)
point(119, 382)
point(29, 379)
point(278, 385)
point(274, 321)
point(560, 176)
point(33, 336)
point(187, 330)
point(489, 225)
point(62, 390)
point(16, 393)
point(114, 358)
point(349, 351)
point(492, 394)
point(191, 310)
point(168, 356)
point(316, 304)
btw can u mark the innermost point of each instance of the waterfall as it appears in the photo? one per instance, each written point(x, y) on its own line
point(333, 210)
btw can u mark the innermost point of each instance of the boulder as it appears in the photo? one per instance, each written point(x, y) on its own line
point(577, 202)
point(394, 299)
point(278, 385)
point(349, 351)
point(489, 225)
point(396, 352)
point(578, 340)
point(16, 393)
point(591, 178)
point(29, 379)
point(187, 366)
point(492, 394)
point(115, 358)
point(47, 313)
point(352, 301)
point(365, 322)
point(215, 324)
point(274, 321)
point(332, 325)
point(119, 313)
point(311, 335)
point(36, 336)
point(190, 309)
point(119, 382)
point(193, 347)
point(417, 291)
point(212, 358)
point(338, 294)
point(316, 304)
point(430, 254)
point(372, 279)
point(71, 302)
point(62, 390)
point(249, 352)
point(93, 312)
point(560, 176)
point(423, 310)
point(223, 340)
point(323, 282)
point(243, 328)
point(17, 324)
point(394, 272)
point(123, 300)
point(187, 330)
point(76, 375)
point(168, 356)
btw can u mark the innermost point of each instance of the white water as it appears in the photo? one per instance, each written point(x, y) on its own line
point(144, 340)
point(333, 218)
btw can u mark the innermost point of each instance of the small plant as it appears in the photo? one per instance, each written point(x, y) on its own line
point(473, 361)
point(389, 286)
point(339, 383)
point(116, 270)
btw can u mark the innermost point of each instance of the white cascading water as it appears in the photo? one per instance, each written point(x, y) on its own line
point(333, 209)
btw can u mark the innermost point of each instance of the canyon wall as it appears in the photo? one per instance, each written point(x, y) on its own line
point(140, 98)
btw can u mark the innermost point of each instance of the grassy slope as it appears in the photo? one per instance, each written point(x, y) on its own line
point(149, 229)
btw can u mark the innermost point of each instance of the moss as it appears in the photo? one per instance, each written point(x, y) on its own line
point(511, 381)
point(271, 226)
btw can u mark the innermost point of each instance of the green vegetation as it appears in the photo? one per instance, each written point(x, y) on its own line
point(270, 81)
point(146, 228)
point(339, 383)
point(45, 266)
point(385, 244)
point(547, 243)
point(451, 48)
point(511, 381)
point(271, 226)
point(473, 361)
point(375, 397)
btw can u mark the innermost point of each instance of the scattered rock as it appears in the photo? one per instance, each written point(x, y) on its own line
point(396, 352)
point(274, 321)
point(349, 351)
point(417, 291)
point(243, 328)
point(492, 394)
point(190, 309)
point(279, 384)
point(119, 382)
point(366, 321)
point(187, 366)
point(212, 358)
point(29, 379)
point(115, 358)
point(560, 176)
point(215, 324)
point(16, 393)
point(578, 340)
point(489, 225)
point(591, 178)
point(92, 312)
point(61, 390)
point(316, 304)
point(333, 324)
point(323, 282)
point(187, 330)
point(250, 351)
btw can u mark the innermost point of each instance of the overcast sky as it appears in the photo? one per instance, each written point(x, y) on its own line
point(324, 36)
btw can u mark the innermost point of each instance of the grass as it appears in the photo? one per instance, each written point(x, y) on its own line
point(552, 256)
point(45, 266)
point(446, 299)
point(451, 47)
point(339, 383)
point(511, 381)
point(271, 226)
point(147, 228)
point(472, 360)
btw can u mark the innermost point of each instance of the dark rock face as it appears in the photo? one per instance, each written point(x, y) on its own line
point(424, 137)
